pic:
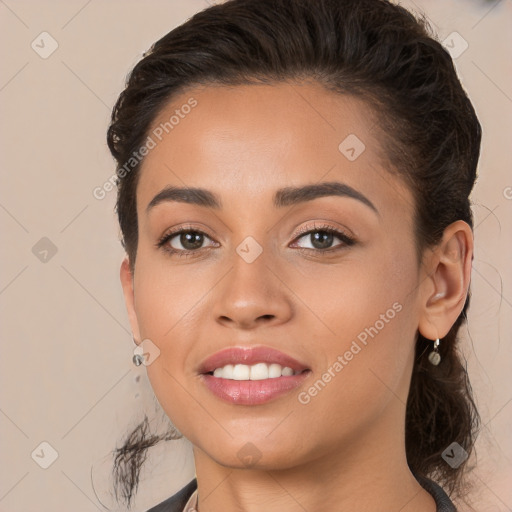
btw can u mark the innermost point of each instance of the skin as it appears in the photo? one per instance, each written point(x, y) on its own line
point(344, 450)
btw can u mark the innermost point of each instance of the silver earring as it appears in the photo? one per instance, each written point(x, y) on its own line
point(435, 357)
point(137, 359)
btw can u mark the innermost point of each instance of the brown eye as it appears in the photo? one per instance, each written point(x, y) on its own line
point(322, 239)
point(189, 240)
point(184, 242)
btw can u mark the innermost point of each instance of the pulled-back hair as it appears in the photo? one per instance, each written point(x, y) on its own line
point(370, 49)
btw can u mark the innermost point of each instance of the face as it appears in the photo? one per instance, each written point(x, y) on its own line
point(328, 277)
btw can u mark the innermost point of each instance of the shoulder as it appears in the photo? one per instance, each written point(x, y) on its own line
point(177, 502)
point(443, 502)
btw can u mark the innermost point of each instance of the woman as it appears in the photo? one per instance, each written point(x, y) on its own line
point(293, 182)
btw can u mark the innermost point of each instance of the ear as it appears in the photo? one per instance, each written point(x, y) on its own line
point(446, 285)
point(129, 299)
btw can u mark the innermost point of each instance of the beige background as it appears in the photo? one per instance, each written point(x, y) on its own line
point(66, 372)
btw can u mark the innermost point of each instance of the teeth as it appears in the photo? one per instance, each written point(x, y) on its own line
point(257, 371)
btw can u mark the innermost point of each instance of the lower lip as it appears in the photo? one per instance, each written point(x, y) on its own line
point(252, 392)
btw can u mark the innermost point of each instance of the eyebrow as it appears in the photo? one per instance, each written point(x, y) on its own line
point(283, 197)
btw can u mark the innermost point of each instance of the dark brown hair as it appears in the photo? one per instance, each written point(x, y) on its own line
point(371, 49)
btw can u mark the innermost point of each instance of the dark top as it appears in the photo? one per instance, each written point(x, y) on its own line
point(177, 502)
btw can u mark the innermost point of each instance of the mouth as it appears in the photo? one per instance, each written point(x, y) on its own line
point(251, 363)
point(251, 376)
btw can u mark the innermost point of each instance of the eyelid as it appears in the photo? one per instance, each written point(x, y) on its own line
point(344, 235)
point(323, 226)
point(341, 234)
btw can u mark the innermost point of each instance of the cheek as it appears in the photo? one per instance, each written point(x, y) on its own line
point(170, 304)
point(364, 293)
point(365, 323)
point(165, 296)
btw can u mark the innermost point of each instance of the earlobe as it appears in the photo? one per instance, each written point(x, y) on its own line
point(447, 283)
point(129, 297)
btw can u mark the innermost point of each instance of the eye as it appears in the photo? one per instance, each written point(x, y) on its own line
point(322, 237)
point(189, 241)
point(184, 241)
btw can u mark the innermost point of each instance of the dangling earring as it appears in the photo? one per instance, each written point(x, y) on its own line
point(435, 357)
point(137, 359)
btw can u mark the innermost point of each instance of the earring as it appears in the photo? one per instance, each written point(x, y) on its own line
point(137, 359)
point(435, 357)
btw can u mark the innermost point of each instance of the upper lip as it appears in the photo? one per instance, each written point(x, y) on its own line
point(249, 356)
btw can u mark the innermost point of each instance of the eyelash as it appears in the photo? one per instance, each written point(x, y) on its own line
point(343, 237)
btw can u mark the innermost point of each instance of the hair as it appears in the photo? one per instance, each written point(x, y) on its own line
point(369, 49)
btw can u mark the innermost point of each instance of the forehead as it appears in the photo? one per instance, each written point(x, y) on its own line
point(244, 142)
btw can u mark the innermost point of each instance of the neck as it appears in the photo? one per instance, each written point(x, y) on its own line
point(366, 473)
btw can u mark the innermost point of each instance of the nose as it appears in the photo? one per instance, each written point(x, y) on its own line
point(252, 295)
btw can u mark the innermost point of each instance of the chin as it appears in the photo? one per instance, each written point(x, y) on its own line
point(254, 452)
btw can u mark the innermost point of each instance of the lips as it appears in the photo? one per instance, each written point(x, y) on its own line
point(249, 356)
